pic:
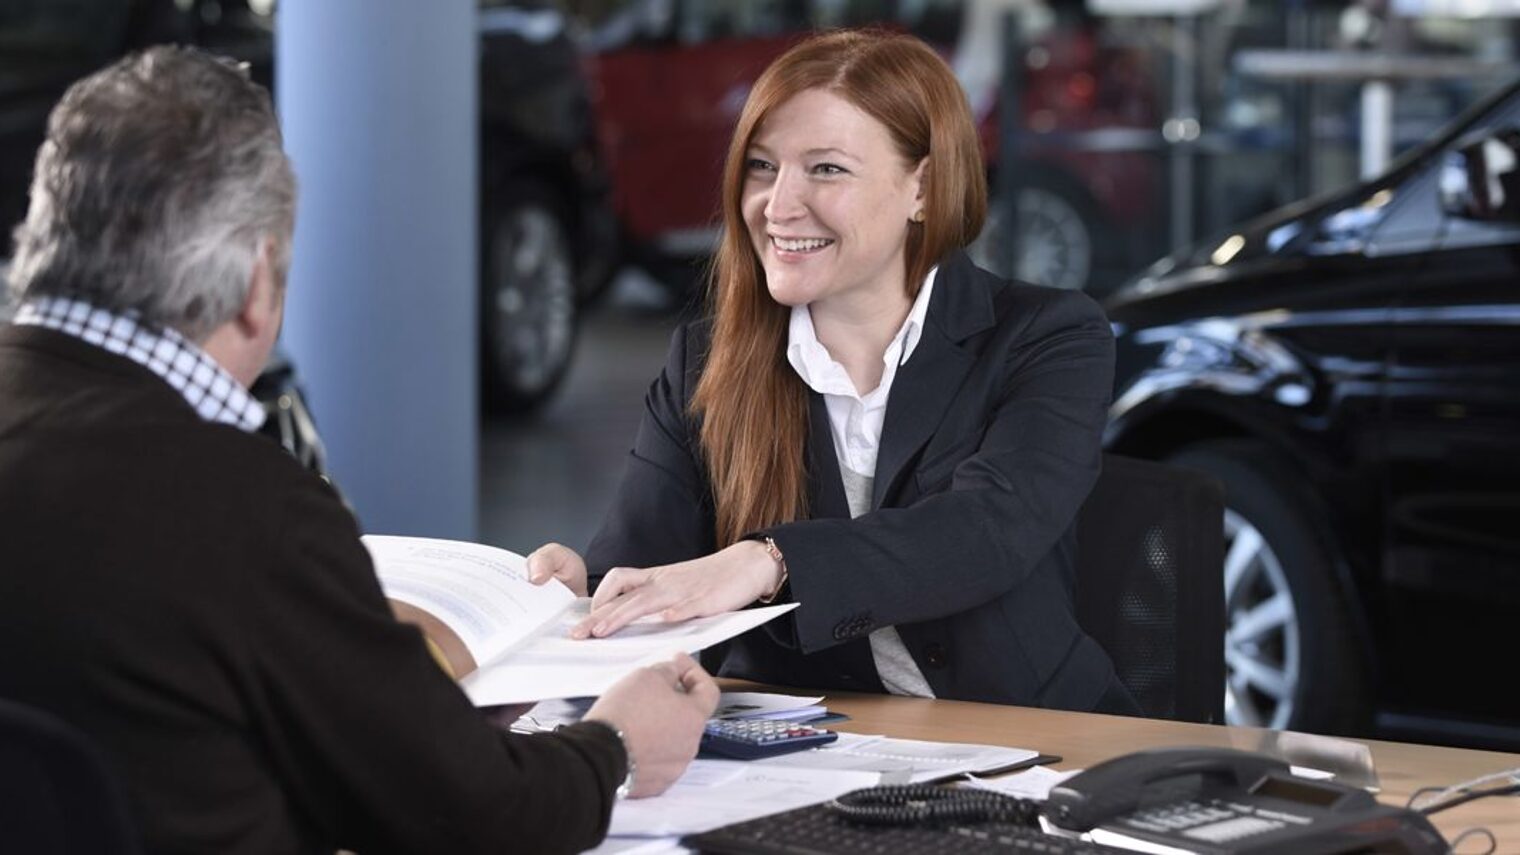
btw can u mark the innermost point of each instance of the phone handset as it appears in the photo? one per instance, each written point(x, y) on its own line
point(1159, 775)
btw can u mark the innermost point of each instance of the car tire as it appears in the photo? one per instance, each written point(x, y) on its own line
point(527, 298)
point(1292, 660)
point(1061, 243)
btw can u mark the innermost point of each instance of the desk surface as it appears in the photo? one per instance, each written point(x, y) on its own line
point(1084, 739)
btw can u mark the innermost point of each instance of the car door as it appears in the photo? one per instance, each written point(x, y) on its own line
point(1452, 559)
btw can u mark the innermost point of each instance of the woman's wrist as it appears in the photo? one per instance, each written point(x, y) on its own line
point(777, 575)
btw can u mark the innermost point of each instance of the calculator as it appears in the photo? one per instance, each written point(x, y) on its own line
point(753, 739)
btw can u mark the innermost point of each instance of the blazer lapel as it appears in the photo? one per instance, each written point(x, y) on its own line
point(924, 386)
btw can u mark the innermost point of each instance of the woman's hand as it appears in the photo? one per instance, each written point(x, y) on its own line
point(724, 581)
point(553, 561)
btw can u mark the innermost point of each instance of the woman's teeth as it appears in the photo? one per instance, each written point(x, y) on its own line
point(803, 245)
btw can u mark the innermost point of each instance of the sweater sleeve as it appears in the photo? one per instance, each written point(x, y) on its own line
point(377, 746)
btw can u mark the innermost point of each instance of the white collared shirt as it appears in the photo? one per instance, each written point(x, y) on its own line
point(855, 422)
point(207, 387)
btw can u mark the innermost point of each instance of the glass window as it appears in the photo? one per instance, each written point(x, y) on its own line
point(1415, 221)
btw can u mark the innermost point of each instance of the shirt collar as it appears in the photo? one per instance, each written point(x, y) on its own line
point(207, 387)
point(812, 362)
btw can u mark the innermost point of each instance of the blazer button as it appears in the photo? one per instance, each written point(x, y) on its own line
point(934, 655)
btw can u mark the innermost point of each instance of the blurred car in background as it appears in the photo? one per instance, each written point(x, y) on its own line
point(548, 237)
point(670, 77)
point(1349, 368)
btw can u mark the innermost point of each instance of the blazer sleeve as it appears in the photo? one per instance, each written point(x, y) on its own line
point(377, 746)
point(1004, 507)
point(662, 512)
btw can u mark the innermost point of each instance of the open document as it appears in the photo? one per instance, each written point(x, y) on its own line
point(553, 665)
point(904, 761)
point(508, 639)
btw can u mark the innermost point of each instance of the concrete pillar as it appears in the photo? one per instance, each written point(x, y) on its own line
point(378, 101)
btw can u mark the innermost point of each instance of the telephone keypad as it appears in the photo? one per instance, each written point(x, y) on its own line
point(1214, 821)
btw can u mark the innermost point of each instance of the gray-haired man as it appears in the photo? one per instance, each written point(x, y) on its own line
point(182, 590)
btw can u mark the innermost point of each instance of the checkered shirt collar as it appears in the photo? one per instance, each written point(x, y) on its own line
point(205, 385)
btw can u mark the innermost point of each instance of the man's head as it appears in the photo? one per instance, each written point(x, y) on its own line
point(162, 189)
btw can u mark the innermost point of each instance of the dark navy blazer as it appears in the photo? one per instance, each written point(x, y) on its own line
point(991, 442)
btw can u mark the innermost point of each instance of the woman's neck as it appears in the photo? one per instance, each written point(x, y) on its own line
point(857, 336)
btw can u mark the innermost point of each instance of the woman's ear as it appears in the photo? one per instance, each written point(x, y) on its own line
point(920, 178)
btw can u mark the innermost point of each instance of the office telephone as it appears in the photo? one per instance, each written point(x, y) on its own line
point(1170, 800)
point(1216, 801)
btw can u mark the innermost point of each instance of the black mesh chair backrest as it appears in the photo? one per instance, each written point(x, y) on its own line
point(57, 796)
point(1150, 584)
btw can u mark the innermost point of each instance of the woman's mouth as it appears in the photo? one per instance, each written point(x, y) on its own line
point(800, 246)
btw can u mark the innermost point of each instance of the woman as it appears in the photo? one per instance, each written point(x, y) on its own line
point(868, 424)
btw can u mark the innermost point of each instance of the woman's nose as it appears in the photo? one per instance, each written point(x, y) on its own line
point(787, 199)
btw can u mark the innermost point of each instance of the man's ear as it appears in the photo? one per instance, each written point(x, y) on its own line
point(261, 306)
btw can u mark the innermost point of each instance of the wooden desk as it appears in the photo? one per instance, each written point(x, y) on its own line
point(1084, 739)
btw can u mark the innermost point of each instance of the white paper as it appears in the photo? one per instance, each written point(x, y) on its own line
point(713, 793)
point(549, 714)
point(1034, 783)
point(480, 592)
point(553, 665)
point(901, 761)
point(756, 705)
point(640, 846)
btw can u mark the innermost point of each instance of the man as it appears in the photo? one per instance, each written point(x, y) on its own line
point(184, 592)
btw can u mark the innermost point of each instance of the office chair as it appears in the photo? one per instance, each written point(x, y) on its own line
point(1150, 584)
point(57, 796)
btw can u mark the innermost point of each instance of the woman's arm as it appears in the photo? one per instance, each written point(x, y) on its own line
point(1005, 505)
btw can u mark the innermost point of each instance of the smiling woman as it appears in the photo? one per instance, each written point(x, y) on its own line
point(866, 423)
point(828, 200)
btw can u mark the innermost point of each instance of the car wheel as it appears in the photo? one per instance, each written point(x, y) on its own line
point(1291, 657)
point(1056, 240)
point(528, 298)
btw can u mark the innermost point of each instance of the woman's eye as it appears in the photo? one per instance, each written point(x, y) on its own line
point(829, 169)
point(755, 164)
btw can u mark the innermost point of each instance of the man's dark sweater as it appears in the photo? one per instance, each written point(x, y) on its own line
point(201, 606)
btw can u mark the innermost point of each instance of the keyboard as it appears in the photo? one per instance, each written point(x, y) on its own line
point(818, 831)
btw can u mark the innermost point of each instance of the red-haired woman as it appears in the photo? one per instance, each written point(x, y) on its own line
point(867, 424)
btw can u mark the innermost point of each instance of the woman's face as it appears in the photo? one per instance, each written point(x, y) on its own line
point(827, 199)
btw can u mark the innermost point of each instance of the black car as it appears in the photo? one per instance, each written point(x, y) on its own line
point(548, 235)
point(1349, 368)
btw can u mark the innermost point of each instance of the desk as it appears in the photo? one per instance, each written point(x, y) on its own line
point(1084, 739)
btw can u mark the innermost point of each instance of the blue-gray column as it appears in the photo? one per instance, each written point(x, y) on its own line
point(378, 101)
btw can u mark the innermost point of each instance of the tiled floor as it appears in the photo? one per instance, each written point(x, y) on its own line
point(551, 476)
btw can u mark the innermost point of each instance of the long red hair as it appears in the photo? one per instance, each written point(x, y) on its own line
point(754, 408)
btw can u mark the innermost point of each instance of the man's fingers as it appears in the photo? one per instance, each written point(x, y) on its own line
point(703, 689)
point(695, 681)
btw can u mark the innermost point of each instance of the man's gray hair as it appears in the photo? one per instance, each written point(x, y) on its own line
point(160, 178)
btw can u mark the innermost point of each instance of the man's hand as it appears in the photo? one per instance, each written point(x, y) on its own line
point(553, 561)
point(661, 710)
point(726, 580)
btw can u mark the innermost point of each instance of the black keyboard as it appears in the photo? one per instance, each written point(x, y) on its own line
point(818, 831)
